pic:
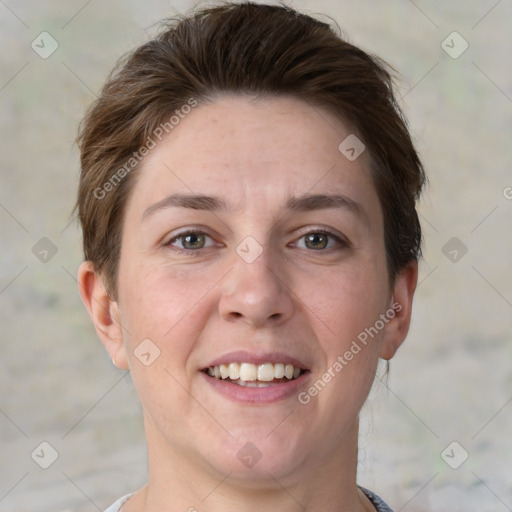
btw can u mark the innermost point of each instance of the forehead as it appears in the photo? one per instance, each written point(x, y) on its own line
point(266, 149)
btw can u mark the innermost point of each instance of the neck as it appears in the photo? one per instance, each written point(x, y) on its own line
point(177, 482)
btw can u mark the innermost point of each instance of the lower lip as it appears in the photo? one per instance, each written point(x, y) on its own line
point(269, 394)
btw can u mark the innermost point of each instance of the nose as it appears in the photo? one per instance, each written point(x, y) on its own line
point(256, 293)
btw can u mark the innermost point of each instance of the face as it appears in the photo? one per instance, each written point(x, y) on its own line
point(250, 241)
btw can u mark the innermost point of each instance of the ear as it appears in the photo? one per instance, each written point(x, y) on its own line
point(104, 313)
point(401, 302)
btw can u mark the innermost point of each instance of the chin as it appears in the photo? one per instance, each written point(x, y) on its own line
point(258, 459)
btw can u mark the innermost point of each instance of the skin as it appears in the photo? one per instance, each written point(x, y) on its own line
point(308, 302)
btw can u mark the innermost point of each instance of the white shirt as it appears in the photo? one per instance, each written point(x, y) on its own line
point(115, 507)
point(377, 502)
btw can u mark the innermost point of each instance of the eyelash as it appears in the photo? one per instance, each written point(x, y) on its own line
point(189, 252)
point(343, 243)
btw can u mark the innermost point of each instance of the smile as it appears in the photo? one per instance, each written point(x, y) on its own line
point(255, 375)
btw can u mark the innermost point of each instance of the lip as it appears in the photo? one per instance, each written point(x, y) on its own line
point(249, 395)
point(266, 395)
point(242, 356)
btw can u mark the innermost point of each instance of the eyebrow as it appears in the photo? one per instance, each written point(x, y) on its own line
point(304, 203)
point(309, 202)
point(192, 201)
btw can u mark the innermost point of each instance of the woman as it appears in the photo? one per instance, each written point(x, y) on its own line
point(247, 199)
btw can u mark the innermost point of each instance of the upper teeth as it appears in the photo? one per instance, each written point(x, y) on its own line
point(250, 372)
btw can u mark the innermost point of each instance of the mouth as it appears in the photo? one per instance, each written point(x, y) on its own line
point(255, 375)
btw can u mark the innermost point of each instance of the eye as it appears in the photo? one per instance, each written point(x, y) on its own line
point(192, 240)
point(320, 240)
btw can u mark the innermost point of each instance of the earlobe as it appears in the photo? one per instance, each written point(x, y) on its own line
point(401, 302)
point(104, 312)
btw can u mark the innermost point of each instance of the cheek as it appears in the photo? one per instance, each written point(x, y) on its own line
point(342, 321)
point(167, 306)
point(346, 303)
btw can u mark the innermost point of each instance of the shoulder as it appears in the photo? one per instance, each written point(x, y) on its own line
point(379, 504)
point(115, 507)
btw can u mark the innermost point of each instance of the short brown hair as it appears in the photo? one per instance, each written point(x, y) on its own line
point(264, 50)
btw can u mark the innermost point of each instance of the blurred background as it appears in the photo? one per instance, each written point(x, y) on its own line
point(436, 436)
